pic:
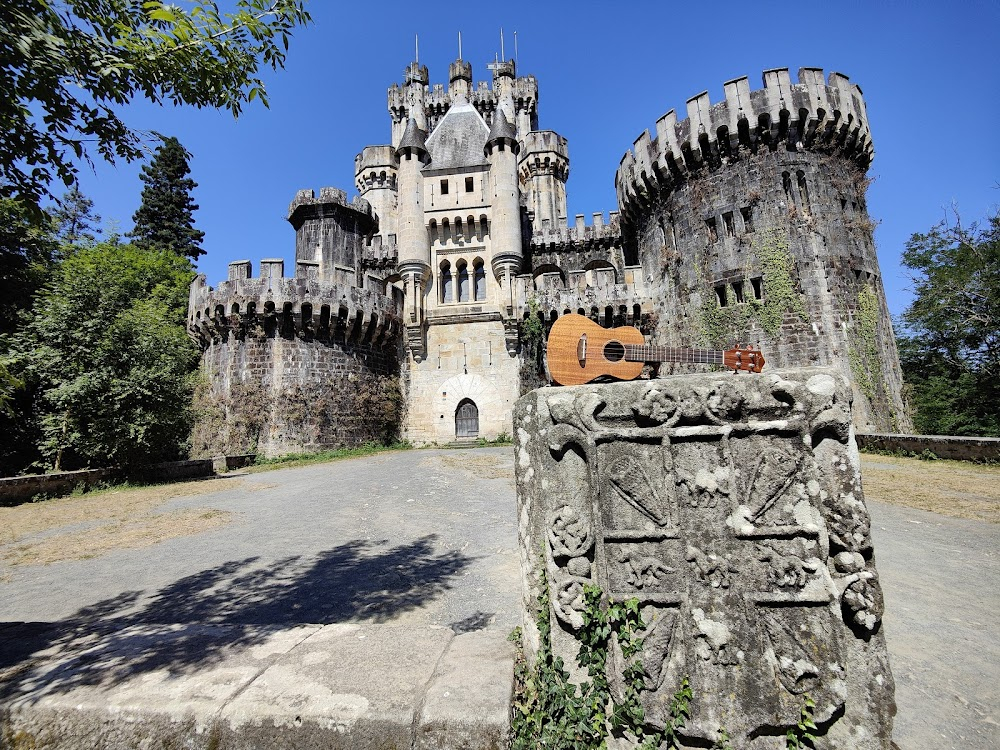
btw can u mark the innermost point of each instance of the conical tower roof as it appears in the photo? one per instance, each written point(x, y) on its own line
point(501, 130)
point(413, 138)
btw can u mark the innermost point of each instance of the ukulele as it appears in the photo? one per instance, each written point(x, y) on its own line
point(579, 351)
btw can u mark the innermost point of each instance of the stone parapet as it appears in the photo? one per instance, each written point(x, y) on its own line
point(305, 307)
point(580, 235)
point(731, 507)
point(810, 115)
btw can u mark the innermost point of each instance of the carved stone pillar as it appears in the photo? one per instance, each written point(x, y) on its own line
point(731, 507)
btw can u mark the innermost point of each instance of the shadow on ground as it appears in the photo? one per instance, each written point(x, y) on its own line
point(227, 608)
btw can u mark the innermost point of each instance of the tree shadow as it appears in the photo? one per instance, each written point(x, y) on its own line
point(200, 619)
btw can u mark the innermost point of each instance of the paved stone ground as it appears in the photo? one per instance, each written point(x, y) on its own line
point(428, 538)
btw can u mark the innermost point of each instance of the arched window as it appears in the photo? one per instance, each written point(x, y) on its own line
point(479, 275)
point(446, 281)
point(463, 281)
point(467, 419)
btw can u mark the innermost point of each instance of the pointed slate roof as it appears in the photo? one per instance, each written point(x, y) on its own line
point(458, 140)
point(413, 137)
point(501, 128)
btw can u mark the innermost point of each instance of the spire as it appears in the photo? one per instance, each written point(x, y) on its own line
point(501, 131)
point(413, 139)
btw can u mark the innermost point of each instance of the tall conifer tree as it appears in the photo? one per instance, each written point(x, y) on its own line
point(165, 219)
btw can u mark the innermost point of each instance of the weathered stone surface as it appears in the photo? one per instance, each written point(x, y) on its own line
point(732, 508)
point(227, 687)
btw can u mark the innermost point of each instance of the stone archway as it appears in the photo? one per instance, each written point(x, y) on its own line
point(467, 419)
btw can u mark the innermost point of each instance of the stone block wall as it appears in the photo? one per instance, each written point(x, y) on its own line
point(731, 508)
point(749, 220)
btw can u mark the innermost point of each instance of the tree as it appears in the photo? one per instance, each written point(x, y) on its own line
point(27, 251)
point(108, 360)
point(165, 219)
point(951, 351)
point(65, 68)
point(73, 218)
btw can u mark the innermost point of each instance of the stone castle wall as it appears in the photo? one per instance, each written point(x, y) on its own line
point(294, 364)
point(749, 220)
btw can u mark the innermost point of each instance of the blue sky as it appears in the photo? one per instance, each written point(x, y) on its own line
point(930, 72)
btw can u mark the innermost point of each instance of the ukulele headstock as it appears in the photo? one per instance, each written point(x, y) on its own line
point(743, 358)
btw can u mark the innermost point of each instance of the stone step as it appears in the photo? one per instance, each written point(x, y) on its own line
point(358, 686)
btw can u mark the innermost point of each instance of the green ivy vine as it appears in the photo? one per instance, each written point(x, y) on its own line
point(550, 711)
point(724, 326)
point(863, 352)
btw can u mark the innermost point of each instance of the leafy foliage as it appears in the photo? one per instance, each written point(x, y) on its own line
point(65, 67)
point(107, 358)
point(553, 712)
point(801, 737)
point(165, 219)
point(950, 351)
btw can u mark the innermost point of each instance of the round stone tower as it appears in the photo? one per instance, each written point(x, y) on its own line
point(750, 222)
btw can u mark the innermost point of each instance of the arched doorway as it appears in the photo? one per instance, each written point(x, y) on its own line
point(467, 419)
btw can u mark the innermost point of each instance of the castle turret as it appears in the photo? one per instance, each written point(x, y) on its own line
point(503, 85)
point(501, 150)
point(543, 166)
point(407, 102)
point(459, 80)
point(376, 176)
point(411, 233)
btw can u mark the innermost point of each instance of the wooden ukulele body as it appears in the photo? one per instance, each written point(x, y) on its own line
point(579, 351)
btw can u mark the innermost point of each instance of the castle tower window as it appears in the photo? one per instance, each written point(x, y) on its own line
point(747, 215)
point(446, 290)
point(467, 419)
point(713, 233)
point(803, 190)
point(479, 276)
point(463, 281)
point(470, 184)
point(444, 187)
point(738, 290)
point(729, 224)
point(722, 295)
point(757, 286)
point(786, 184)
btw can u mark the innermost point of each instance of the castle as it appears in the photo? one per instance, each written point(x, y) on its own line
point(420, 308)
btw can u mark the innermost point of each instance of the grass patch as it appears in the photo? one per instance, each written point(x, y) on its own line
point(290, 460)
point(952, 488)
point(91, 524)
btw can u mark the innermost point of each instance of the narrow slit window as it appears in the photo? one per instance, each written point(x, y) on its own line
point(747, 215)
point(479, 272)
point(786, 184)
point(463, 283)
point(713, 233)
point(444, 187)
point(803, 190)
point(758, 288)
point(729, 224)
point(722, 295)
point(738, 291)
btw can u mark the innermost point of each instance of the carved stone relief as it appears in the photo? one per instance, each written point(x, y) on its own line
point(731, 508)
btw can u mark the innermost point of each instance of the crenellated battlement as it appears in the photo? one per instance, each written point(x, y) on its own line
point(436, 99)
point(306, 204)
point(543, 152)
point(579, 236)
point(811, 115)
point(375, 168)
point(302, 306)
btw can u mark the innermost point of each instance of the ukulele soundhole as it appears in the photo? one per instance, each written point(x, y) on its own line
point(614, 351)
